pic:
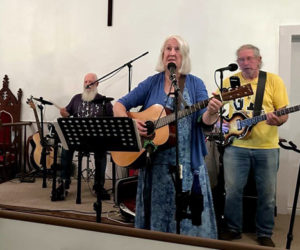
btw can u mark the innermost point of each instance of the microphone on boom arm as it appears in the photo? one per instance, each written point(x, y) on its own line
point(42, 101)
point(230, 67)
point(91, 84)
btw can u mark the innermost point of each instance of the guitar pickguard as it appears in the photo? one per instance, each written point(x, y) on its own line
point(235, 128)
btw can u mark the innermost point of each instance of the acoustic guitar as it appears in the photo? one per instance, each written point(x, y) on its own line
point(36, 153)
point(158, 115)
point(240, 125)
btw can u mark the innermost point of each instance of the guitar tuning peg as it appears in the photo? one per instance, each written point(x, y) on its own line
point(224, 90)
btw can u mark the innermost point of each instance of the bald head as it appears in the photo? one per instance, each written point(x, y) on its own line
point(89, 93)
point(89, 78)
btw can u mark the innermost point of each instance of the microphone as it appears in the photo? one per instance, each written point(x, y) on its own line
point(234, 82)
point(230, 67)
point(172, 69)
point(42, 101)
point(91, 84)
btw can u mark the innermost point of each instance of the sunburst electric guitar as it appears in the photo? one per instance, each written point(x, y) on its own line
point(240, 125)
point(36, 153)
point(160, 117)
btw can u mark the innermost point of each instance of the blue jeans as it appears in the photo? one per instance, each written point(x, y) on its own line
point(237, 163)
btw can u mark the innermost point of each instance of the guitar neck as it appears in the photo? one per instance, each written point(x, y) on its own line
point(37, 122)
point(181, 113)
point(241, 91)
point(256, 119)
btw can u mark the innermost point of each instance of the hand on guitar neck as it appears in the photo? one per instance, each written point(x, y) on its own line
point(274, 120)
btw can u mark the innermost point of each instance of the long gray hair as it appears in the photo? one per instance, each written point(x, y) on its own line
point(184, 50)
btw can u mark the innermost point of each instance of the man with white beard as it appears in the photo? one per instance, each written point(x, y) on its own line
point(87, 104)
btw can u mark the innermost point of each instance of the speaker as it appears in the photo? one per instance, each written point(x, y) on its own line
point(125, 195)
point(249, 205)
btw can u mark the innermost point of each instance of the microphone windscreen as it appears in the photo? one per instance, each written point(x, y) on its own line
point(171, 66)
point(233, 66)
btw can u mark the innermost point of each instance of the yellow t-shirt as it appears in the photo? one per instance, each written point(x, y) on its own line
point(262, 136)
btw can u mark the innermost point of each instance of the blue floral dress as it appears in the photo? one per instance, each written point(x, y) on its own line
point(155, 201)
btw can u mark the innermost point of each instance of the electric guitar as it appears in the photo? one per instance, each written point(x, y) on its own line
point(240, 125)
point(36, 153)
point(160, 118)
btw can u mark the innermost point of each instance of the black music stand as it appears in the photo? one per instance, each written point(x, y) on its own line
point(98, 134)
point(291, 227)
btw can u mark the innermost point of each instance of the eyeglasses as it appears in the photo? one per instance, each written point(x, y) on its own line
point(249, 58)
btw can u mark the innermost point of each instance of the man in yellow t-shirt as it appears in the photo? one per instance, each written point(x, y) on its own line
point(258, 151)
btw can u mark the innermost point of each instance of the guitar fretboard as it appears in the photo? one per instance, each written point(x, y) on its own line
point(241, 91)
point(256, 119)
point(182, 113)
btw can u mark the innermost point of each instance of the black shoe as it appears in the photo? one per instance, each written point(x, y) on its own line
point(59, 193)
point(230, 235)
point(104, 195)
point(265, 241)
point(67, 183)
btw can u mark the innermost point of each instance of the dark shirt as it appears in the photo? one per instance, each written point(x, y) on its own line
point(96, 108)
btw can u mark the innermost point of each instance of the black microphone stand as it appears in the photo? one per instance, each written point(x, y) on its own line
point(181, 198)
point(177, 168)
point(128, 64)
point(221, 137)
point(220, 189)
point(290, 233)
point(219, 192)
point(57, 194)
point(44, 148)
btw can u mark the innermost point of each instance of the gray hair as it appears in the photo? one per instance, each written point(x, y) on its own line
point(185, 53)
point(255, 50)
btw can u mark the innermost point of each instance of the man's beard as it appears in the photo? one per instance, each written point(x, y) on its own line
point(88, 95)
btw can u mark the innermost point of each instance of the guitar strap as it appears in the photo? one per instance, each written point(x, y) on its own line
point(181, 87)
point(262, 76)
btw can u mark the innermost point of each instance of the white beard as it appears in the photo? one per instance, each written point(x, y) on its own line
point(88, 95)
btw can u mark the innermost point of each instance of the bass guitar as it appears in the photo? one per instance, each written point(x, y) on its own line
point(240, 125)
point(158, 115)
point(36, 153)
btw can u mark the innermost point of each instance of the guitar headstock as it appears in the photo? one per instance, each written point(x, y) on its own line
point(31, 103)
point(237, 92)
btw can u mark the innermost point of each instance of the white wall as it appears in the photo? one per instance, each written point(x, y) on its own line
point(294, 96)
point(24, 235)
point(289, 63)
point(46, 47)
